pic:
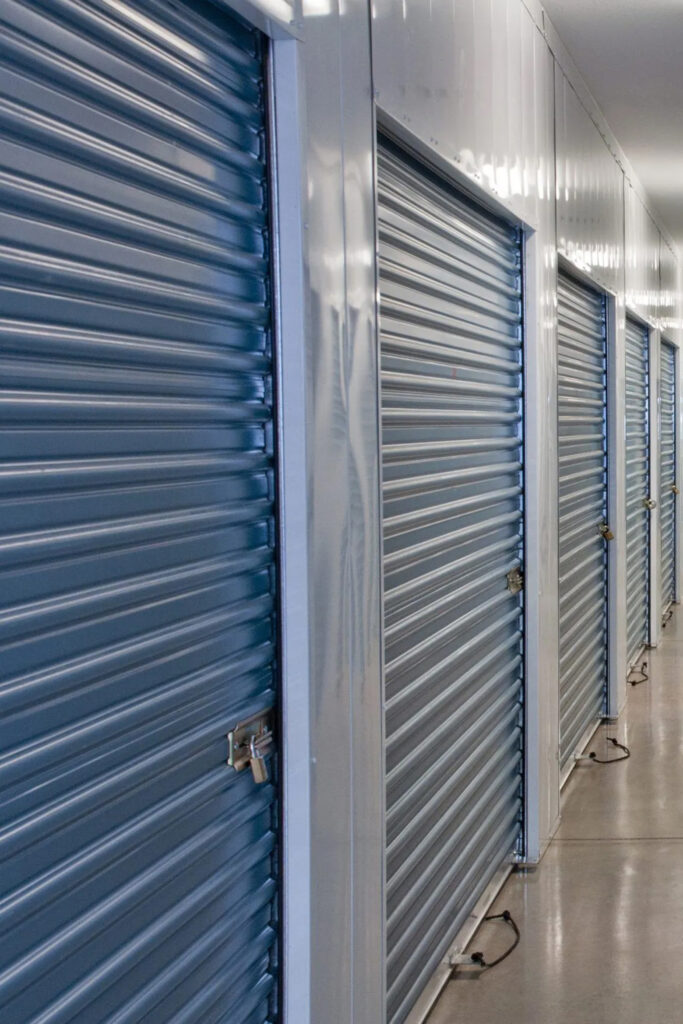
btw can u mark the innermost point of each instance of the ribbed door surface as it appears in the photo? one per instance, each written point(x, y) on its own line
point(637, 489)
point(136, 554)
point(582, 508)
point(667, 471)
point(451, 348)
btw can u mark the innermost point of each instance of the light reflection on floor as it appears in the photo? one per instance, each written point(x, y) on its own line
point(602, 917)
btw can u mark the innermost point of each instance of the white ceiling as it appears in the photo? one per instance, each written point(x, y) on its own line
point(630, 54)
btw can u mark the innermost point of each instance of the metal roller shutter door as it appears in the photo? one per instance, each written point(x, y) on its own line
point(137, 561)
point(637, 489)
point(581, 333)
point(451, 392)
point(667, 472)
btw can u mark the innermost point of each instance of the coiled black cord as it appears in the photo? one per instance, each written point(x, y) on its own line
point(638, 674)
point(479, 959)
point(611, 760)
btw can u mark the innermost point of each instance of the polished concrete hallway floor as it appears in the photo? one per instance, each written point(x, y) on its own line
point(602, 917)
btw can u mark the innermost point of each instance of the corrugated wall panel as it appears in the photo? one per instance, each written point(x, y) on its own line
point(136, 555)
point(451, 350)
point(667, 472)
point(582, 509)
point(637, 489)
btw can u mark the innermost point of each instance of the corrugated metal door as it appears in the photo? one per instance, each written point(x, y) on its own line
point(137, 559)
point(582, 402)
point(667, 471)
point(451, 351)
point(637, 489)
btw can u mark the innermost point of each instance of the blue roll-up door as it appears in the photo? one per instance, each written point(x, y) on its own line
point(667, 472)
point(638, 500)
point(451, 394)
point(582, 452)
point(137, 869)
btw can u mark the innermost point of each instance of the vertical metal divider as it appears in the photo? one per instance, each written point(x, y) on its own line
point(616, 505)
point(289, 304)
point(378, 356)
point(522, 841)
point(534, 361)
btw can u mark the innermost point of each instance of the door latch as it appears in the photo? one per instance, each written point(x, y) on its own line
point(250, 743)
point(676, 490)
point(649, 503)
point(605, 531)
point(515, 580)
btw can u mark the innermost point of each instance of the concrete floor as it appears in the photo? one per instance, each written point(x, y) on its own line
point(602, 917)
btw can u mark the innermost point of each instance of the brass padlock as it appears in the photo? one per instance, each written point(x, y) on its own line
point(675, 489)
point(605, 532)
point(259, 768)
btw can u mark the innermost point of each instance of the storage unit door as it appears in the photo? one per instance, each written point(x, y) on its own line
point(136, 557)
point(637, 489)
point(451, 390)
point(581, 335)
point(667, 472)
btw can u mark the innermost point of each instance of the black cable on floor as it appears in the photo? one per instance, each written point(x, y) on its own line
point(479, 959)
point(641, 673)
point(611, 760)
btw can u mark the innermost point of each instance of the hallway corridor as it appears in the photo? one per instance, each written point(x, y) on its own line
point(602, 917)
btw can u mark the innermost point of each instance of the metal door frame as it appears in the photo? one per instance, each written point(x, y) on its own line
point(414, 147)
point(616, 549)
point(652, 471)
point(281, 24)
point(286, 142)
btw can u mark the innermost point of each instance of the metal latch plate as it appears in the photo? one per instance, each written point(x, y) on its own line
point(515, 580)
point(250, 742)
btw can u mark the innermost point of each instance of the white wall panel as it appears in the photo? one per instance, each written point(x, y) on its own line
point(590, 218)
point(347, 980)
point(464, 78)
point(642, 258)
point(668, 313)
